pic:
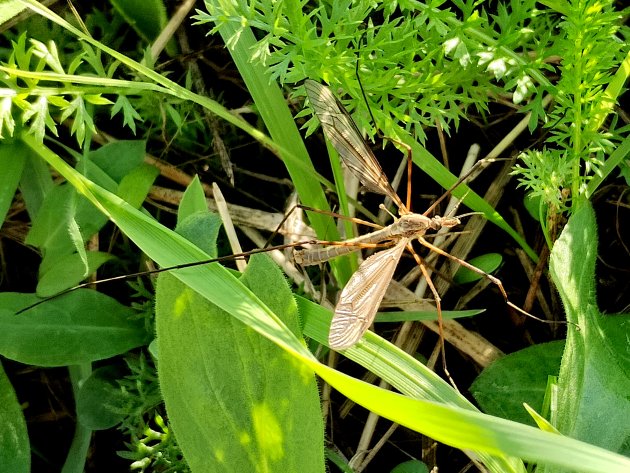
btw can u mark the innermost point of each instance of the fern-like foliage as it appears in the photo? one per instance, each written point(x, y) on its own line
point(29, 100)
point(43, 89)
point(589, 52)
point(152, 445)
point(419, 64)
point(422, 64)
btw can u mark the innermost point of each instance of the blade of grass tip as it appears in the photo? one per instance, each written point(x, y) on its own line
point(282, 127)
point(475, 431)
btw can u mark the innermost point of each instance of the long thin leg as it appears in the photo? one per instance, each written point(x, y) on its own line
point(325, 212)
point(343, 217)
point(438, 306)
point(494, 280)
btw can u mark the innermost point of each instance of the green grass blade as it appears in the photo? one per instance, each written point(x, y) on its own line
point(273, 109)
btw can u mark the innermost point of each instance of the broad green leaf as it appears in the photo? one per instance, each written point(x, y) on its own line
point(55, 231)
point(488, 263)
point(411, 466)
point(521, 377)
point(35, 184)
point(119, 158)
point(153, 349)
point(193, 201)
point(79, 327)
point(15, 451)
point(100, 403)
point(120, 168)
point(65, 220)
point(68, 271)
point(202, 228)
point(594, 379)
point(236, 401)
point(135, 186)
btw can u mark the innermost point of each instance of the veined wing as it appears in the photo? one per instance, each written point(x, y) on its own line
point(344, 135)
point(360, 299)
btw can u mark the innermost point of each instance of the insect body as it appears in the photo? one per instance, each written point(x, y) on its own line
point(360, 299)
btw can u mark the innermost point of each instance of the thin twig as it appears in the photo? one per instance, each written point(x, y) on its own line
point(241, 215)
point(228, 225)
point(372, 453)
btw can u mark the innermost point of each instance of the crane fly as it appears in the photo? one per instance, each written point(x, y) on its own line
point(362, 295)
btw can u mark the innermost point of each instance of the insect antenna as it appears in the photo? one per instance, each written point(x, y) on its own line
point(382, 136)
point(165, 269)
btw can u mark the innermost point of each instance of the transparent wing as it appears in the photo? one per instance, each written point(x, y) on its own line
point(360, 299)
point(344, 135)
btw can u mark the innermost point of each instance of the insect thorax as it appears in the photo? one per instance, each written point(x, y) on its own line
point(410, 225)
